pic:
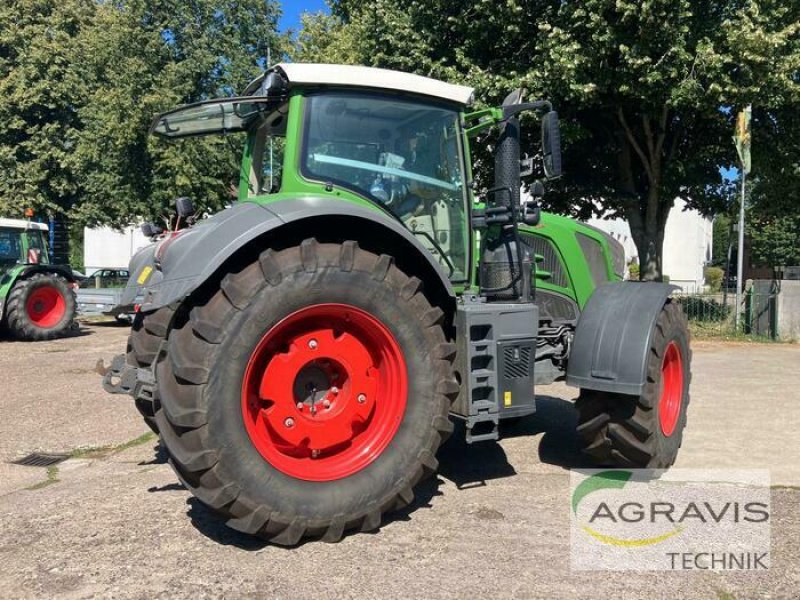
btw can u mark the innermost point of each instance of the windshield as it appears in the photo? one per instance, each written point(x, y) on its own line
point(402, 154)
point(11, 251)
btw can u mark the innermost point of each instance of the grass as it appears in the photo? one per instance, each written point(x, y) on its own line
point(52, 477)
point(93, 452)
point(724, 332)
point(104, 451)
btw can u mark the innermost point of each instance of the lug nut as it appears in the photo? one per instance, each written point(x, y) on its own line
point(334, 390)
point(299, 406)
point(289, 422)
point(312, 344)
point(361, 398)
point(326, 403)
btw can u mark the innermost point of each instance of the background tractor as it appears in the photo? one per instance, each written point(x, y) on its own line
point(304, 353)
point(37, 299)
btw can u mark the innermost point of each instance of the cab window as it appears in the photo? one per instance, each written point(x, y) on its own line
point(402, 154)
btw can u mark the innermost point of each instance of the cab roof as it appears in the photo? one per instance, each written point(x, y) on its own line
point(22, 224)
point(368, 77)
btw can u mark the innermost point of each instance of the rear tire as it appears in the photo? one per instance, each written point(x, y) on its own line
point(281, 490)
point(148, 331)
point(643, 431)
point(41, 307)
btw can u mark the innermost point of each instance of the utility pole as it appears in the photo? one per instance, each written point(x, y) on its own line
point(740, 257)
point(742, 140)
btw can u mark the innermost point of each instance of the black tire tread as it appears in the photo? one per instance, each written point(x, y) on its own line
point(16, 315)
point(620, 430)
point(190, 351)
point(148, 331)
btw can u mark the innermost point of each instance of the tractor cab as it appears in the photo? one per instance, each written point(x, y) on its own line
point(22, 242)
point(397, 142)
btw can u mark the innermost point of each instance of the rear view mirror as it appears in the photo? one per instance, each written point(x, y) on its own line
point(551, 145)
point(185, 207)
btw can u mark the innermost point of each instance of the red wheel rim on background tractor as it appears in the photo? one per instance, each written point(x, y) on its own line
point(46, 307)
point(669, 405)
point(324, 392)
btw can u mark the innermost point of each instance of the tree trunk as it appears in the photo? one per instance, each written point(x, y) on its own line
point(646, 210)
point(650, 245)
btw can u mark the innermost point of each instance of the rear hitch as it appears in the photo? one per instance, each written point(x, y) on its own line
point(119, 377)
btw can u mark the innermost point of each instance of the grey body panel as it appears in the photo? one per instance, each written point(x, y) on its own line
point(609, 352)
point(496, 346)
point(197, 254)
point(134, 291)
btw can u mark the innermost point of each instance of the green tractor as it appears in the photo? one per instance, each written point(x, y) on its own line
point(304, 353)
point(37, 299)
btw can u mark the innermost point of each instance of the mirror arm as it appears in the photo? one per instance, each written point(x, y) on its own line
point(515, 109)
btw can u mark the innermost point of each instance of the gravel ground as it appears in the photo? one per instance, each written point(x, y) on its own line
point(113, 522)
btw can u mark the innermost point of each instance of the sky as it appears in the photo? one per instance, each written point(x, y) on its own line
point(292, 10)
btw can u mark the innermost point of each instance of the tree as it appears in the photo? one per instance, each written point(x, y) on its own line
point(40, 96)
point(80, 82)
point(147, 56)
point(774, 240)
point(648, 90)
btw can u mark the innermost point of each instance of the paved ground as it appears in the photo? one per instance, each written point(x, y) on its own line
point(114, 522)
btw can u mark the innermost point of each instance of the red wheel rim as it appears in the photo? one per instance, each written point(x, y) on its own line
point(46, 307)
point(324, 392)
point(669, 406)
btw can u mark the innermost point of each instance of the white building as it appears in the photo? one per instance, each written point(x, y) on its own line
point(107, 248)
point(687, 244)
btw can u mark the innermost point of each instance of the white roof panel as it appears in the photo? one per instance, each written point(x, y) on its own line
point(370, 77)
point(22, 224)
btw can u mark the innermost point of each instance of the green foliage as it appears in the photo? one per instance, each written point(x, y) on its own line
point(723, 234)
point(633, 270)
point(713, 277)
point(640, 86)
point(40, 92)
point(774, 240)
point(700, 308)
point(80, 82)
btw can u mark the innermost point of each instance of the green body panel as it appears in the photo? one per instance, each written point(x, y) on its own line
point(562, 232)
point(8, 277)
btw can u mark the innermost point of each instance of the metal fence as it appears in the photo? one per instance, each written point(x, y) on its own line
point(714, 314)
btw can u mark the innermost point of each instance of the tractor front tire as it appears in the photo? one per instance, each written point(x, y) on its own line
point(646, 431)
point(148, 331)
point(309, 395)
point(40, 307)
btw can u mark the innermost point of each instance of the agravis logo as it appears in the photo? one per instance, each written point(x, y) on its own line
point(644, 519)
point(611, 480)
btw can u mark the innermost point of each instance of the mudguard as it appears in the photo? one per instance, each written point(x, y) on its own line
point(65, 272)
point(609, 352)
point(174, 271)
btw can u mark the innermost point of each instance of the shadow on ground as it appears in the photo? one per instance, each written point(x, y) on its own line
point(80, 331)
point(463, 464)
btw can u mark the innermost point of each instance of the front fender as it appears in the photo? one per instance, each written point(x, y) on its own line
point(65, 272)
point(195, 256)
point(613, 336)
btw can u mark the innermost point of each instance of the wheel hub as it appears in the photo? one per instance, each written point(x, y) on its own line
point(324, 392)
point(46, 306)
